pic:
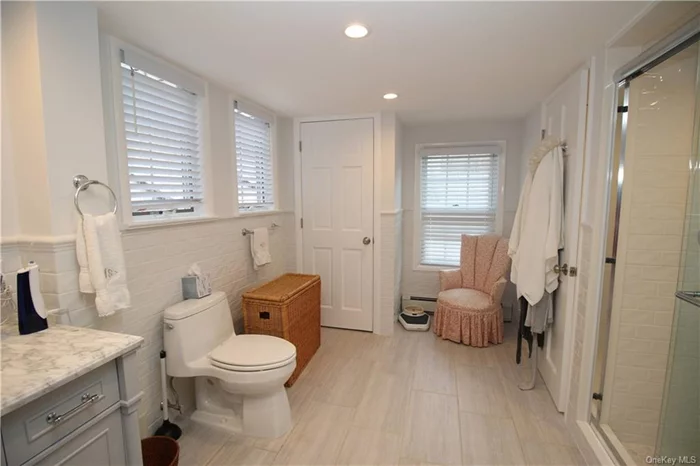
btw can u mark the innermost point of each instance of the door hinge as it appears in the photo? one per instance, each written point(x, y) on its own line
point(301, 222)
point(598, 396)
point(299, 146)
point(622, 109)
point(543, 134)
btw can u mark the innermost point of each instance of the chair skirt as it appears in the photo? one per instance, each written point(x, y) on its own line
point(473, 327)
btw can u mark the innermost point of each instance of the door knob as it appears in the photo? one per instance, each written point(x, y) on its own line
point(563, 269)
point(366, 240)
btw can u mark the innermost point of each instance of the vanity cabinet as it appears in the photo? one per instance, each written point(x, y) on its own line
point(38, 425)
point(101, 443)
point(87, 418)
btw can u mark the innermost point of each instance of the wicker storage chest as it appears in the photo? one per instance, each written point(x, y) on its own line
point(288, 307)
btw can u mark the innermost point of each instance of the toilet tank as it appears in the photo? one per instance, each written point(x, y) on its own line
point(193, 328)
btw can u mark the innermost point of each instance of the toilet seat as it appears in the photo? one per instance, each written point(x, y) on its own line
point(252, 353)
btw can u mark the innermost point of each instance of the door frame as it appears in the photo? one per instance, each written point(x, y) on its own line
point(579, 151)
point(376, 220)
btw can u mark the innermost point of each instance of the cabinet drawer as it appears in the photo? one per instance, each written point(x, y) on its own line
point(100, 444)
point(38, 425)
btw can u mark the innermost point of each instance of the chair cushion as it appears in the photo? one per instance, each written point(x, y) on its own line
point(466, 298)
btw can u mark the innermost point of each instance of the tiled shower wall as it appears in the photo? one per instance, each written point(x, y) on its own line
point(156, 259)
point(659, 143)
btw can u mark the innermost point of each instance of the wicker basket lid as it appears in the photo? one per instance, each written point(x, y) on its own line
point(282, 288)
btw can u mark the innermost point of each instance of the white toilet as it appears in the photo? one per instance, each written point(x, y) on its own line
point(239, 379)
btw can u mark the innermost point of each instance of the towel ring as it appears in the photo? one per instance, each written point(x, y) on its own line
point(81, 183)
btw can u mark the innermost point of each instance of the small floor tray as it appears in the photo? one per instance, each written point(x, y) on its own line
point(419, 323)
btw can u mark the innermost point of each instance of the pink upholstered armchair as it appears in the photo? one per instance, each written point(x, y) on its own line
point(469, 303)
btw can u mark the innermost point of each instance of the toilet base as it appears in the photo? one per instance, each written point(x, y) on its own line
point(266, 415)
point(230, 424)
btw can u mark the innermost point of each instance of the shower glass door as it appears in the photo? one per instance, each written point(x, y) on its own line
point(679, 432)
point(647, 370)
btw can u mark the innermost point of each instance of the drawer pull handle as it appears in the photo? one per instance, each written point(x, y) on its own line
point(265, 315)
point(85, 401)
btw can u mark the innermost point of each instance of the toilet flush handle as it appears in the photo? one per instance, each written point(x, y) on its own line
point(169, 326)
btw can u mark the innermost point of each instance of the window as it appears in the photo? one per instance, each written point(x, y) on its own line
point(459, 194)
point(162, 129)
point(253, 160)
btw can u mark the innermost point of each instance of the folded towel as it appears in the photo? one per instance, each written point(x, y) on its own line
point(105, 262)
point(260, 248)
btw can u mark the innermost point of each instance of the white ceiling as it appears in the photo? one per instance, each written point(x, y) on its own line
point(445, 60)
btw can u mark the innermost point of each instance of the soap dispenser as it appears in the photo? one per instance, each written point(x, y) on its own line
point(31, 312)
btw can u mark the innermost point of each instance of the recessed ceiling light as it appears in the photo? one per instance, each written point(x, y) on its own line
point(390, 96)
point(356, 31)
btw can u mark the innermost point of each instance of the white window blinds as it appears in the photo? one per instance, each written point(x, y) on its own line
point(253, 161)
point(459, 189)
point(163, 147)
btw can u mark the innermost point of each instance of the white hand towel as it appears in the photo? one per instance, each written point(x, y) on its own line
point(260, 248)
point(105, 260)
point(84, 283)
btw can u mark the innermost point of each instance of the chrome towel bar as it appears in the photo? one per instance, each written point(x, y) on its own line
point(81, 183)
point(246, 232)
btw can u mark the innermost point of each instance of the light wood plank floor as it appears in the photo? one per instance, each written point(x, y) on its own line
point(410, 399)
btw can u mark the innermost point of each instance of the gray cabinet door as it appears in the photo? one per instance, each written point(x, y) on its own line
point(100, 445)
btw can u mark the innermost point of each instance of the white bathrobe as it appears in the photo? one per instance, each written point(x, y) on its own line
point(538, 232)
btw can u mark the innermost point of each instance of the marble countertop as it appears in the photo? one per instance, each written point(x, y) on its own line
point(33, 365)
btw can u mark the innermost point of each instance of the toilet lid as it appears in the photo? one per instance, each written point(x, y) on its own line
point(253, 353)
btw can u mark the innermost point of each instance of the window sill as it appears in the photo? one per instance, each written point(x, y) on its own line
point(260, 213)
point(434, 268)
point(170, 222)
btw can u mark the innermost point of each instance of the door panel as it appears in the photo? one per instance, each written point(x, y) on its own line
point(565, 117)
point(337, 206)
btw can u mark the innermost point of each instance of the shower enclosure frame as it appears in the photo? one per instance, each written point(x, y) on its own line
point(685, 37)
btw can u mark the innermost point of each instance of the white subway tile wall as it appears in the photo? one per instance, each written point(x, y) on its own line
point(156, 259)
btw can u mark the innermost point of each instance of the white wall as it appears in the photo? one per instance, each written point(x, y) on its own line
point(285, 164)
point(398, 220)
point(9, 220)
point(426, 282)
point(58, 125)
point(23, 124)
point(388, 157)
point(70, 79)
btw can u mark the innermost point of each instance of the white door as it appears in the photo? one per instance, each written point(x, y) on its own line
point(564, 116)
point(337, 159)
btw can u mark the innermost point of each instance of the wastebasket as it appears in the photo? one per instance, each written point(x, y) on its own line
point(160, 451)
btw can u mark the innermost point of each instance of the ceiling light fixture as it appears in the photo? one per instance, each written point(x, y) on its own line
point(356, 31)
point(390, 96)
